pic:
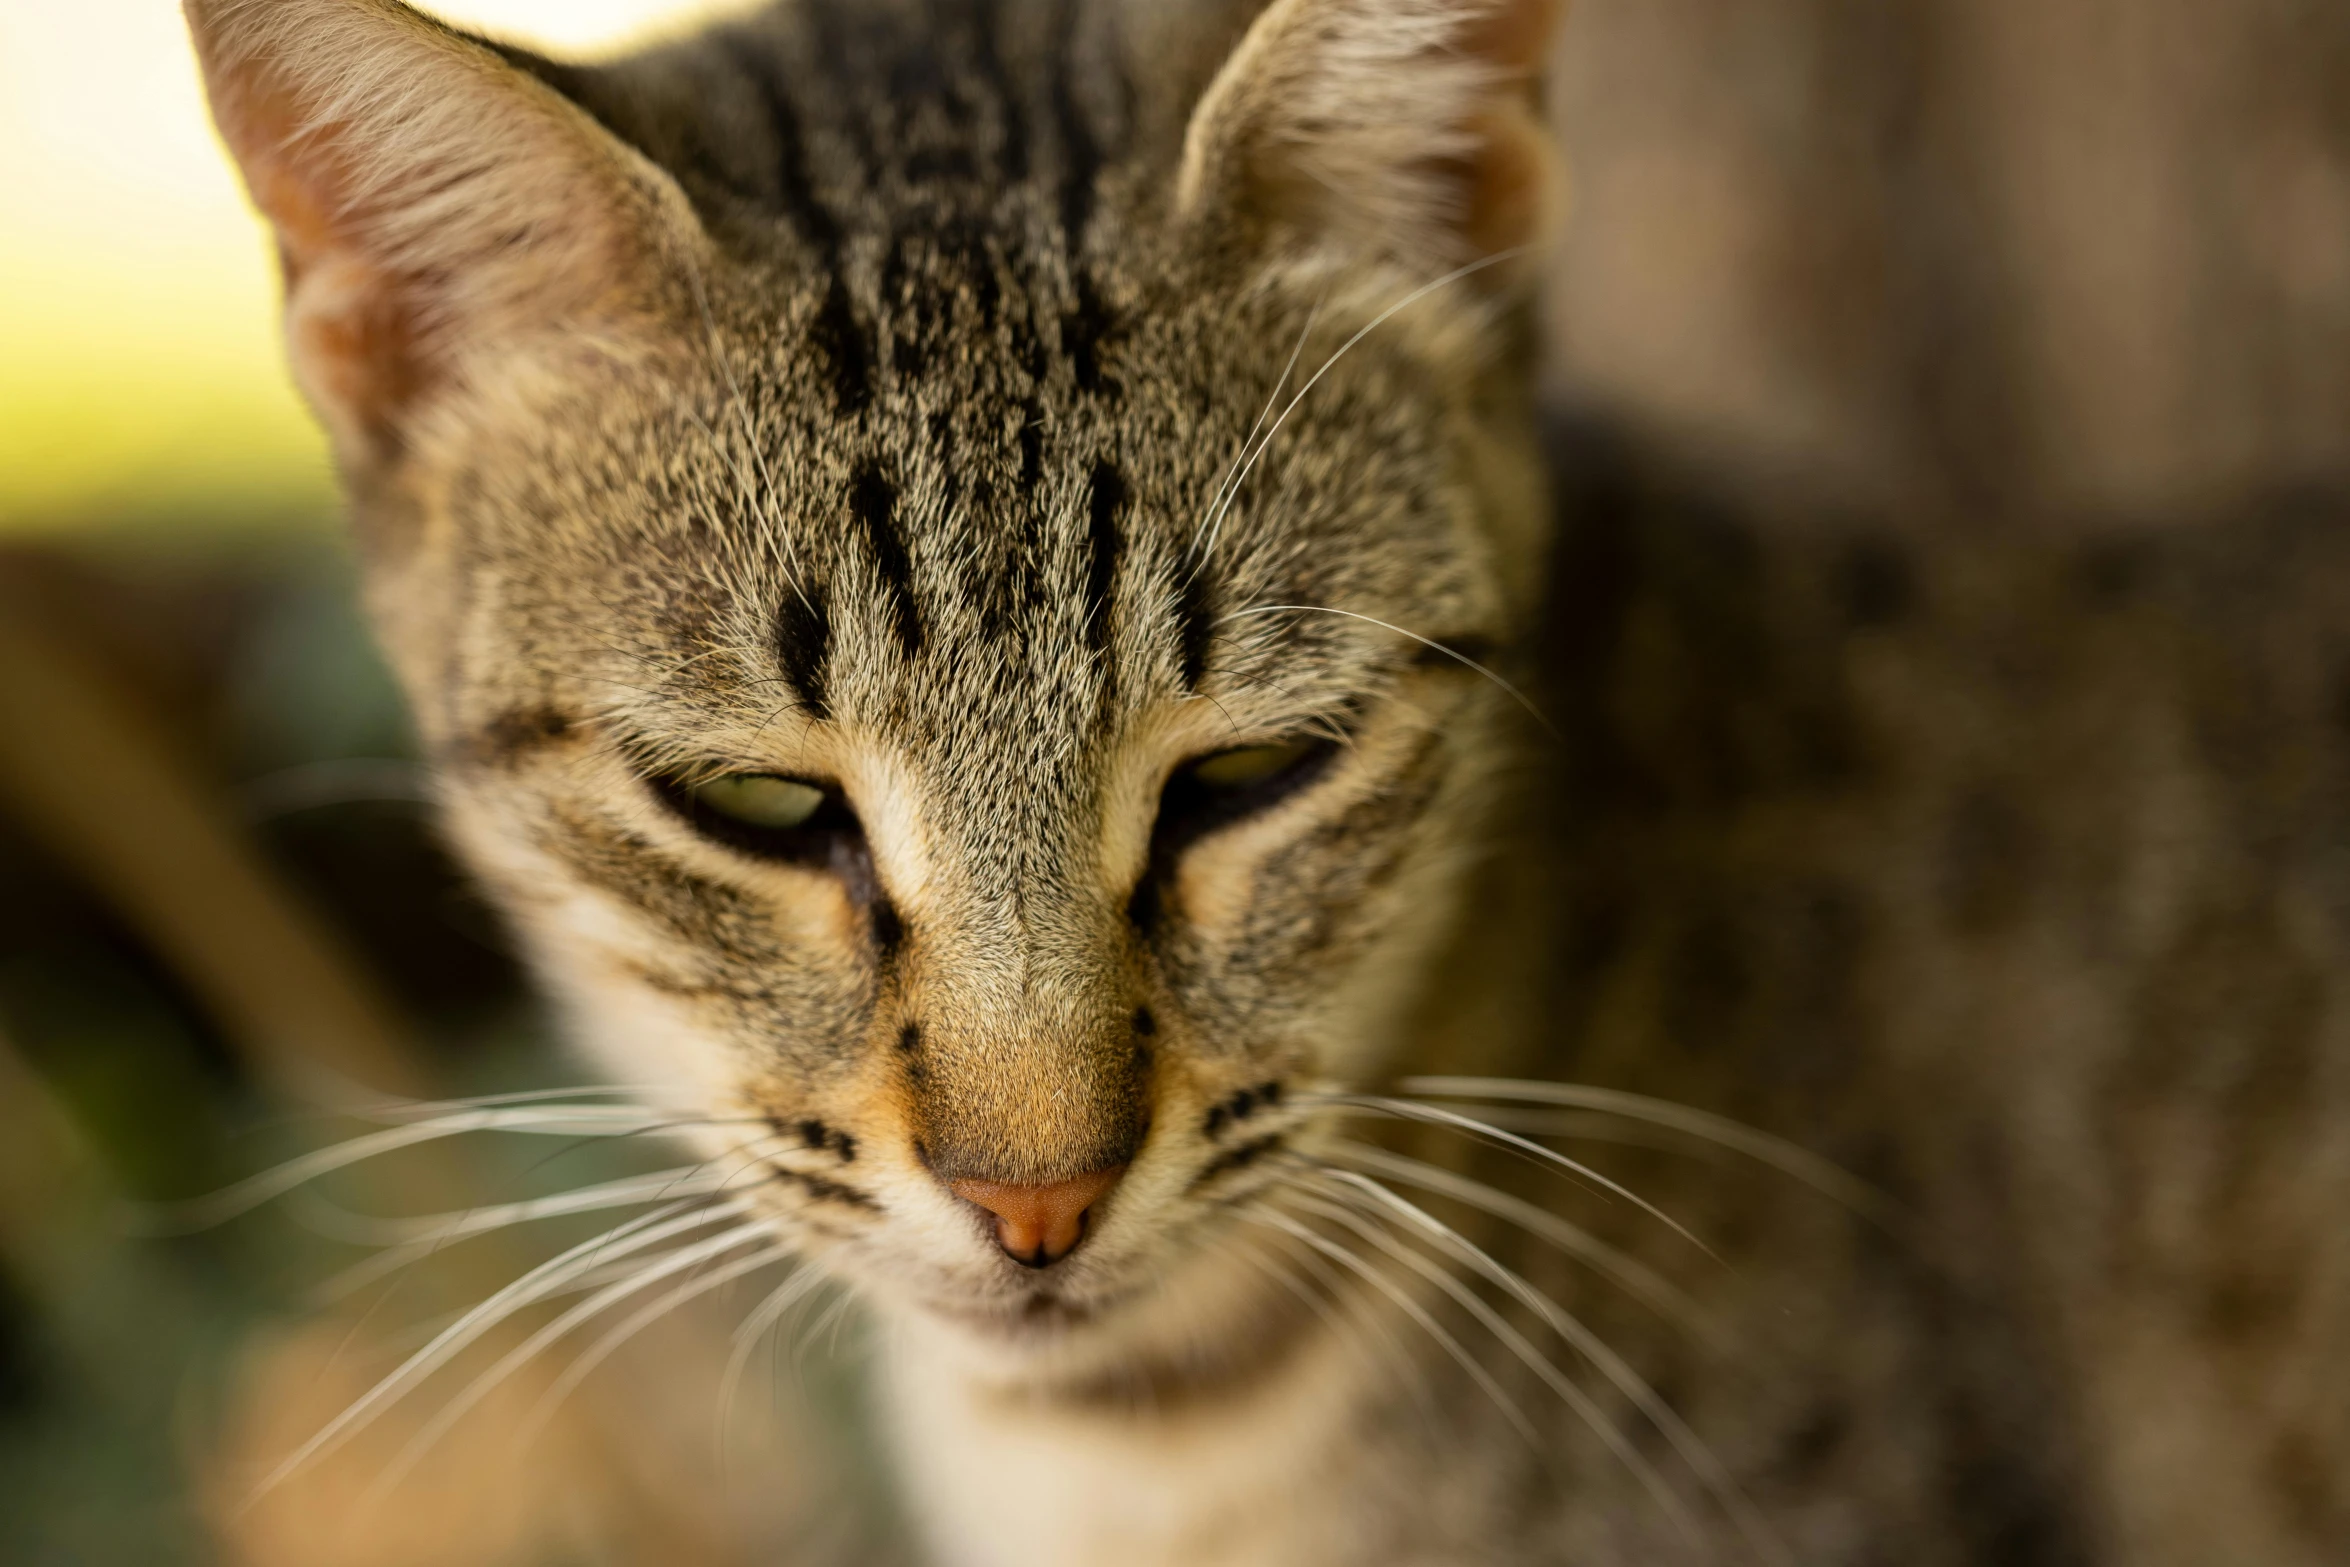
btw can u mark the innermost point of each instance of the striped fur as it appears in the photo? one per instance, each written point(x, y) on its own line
point(905, 395)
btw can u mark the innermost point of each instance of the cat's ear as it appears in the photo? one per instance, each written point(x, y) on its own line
point(433, 204)
point(1405, 129)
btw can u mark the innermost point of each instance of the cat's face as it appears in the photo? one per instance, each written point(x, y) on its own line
point(983, 729)
point(935, 804)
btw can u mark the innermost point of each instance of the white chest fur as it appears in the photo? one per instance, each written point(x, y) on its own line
point(1000, 1480)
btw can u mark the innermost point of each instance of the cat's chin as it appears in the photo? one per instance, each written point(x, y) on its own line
point(1184, 1314)
point(1041, 1318)
point(1040, 1321)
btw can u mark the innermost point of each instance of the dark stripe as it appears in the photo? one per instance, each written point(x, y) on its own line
point(1080, 155)
point(1238, 1158)
point(1031, 444)
point(889, 929)
point(1012, 157)
point(803, 642)
point(911, 327)
point(837, 335)
point(839, 66)
point(822, 1190)
point(512, 737)
point(1108, 503)
point(1083, 326)
point(873, 501)
point(1195, 624)
point(795, 189)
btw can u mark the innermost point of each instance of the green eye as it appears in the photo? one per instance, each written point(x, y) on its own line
point(1250, 764)
point(760, 800)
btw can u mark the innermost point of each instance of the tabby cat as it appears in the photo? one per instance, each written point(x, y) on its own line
point(983, 584)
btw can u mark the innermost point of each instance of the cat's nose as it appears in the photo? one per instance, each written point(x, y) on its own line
point(1039, 1225)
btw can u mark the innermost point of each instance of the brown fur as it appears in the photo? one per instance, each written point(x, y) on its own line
point(852, 393)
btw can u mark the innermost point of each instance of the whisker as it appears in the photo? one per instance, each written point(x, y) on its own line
point(687, 1181)
point(365, 1229)
point(312, 786)
point(1410, 1307)
point(257, 1189)
point(244, 1196)
point(1594, 1126)
point(603, 1349)
point(1345, 348)
point(1788, 1158)
point(1633, 1276)
point(828, 1323)
point(754, 1330)
point(1575, 1398)
point(1224, 485)
point(1434, 646)
point(1338, 1309)
point(545, 1279)
point(1432, 1115)
point(643, 1277)
point(403, 1112)
point(1619, 1373)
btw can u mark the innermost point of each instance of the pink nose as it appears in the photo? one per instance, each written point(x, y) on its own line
point(1039, 1225)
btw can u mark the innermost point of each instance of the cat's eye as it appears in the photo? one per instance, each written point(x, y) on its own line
point(1222, 787)
point(766, 815)
point(759, 800)
point(1251, 764)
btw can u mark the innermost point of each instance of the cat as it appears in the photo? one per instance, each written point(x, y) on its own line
point(988, 589)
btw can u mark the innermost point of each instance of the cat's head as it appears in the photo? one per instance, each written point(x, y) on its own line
point(942, 555)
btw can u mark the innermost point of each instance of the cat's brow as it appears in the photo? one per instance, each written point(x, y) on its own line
point(514, 736)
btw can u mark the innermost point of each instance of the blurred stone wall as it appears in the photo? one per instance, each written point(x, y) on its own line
point(2058, 259)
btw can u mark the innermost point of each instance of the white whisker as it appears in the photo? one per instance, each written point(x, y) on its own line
point(1634, 1277)
point(1340, 1309)
point(755, 1329)
point(1458, 657)
point(1224, 484)
point(547, 1278)
point(602, 1350)
point(403, 1112)
point(640, 1278)
point(1432, 1115)
point(250, 1193)
point(1345, 348)
point(1574, 1397)
point(362, 1229)
point(1782, 1155)
point(1410, 1307)
point(1618, 1372)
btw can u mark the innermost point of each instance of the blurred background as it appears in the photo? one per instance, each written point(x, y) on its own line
point(2044, 264)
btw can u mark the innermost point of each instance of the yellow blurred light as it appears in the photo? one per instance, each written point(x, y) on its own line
point(140, 373)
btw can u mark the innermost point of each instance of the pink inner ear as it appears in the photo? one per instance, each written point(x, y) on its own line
point(1518, 35)
point(351, 332)
point(354, 346)
point(449, 209)
point(1508, 183)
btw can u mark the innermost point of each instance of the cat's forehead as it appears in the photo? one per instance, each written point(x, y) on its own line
point(1050, 558)
point(956, 489)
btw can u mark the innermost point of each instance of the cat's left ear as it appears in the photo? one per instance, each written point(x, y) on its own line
point(437, 210)
point(1409, 130)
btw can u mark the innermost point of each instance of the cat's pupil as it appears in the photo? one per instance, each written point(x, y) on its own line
point(760, 800)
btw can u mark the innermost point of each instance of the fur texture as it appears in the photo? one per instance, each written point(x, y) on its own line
point(868, 393)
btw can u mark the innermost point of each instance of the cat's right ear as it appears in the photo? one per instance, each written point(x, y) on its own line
point(1408, 130)
point(435, 207)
